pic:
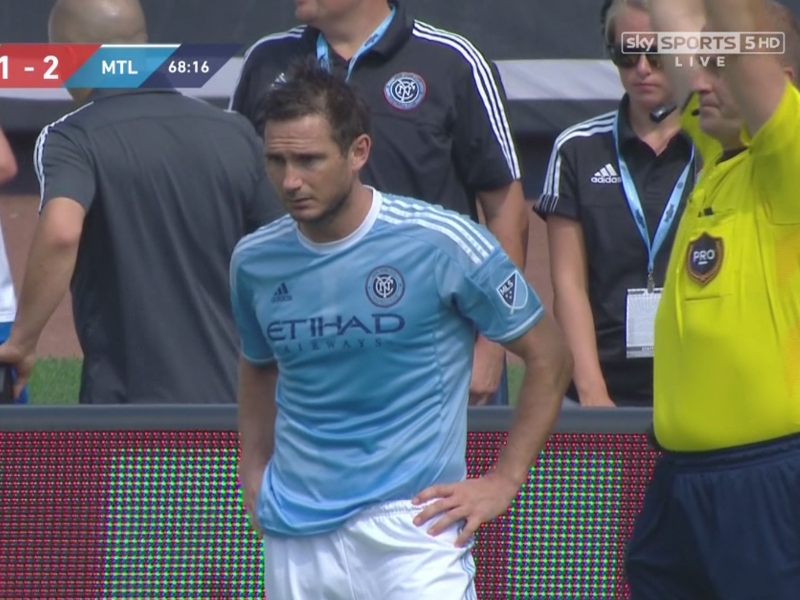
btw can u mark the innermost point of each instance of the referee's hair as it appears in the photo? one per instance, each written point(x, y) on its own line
point(781, 19)
point(309, 89)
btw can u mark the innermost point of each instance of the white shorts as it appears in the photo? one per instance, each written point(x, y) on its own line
point(378, 555)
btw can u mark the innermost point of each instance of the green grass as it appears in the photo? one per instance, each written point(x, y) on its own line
point(57, 381)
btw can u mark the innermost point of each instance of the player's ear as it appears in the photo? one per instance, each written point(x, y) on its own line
point(359, 151)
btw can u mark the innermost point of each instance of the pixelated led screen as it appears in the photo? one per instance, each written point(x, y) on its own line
point(158, 515)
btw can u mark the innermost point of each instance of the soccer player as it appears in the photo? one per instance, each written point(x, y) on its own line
point(439, 126)
point(722, 517)
point(357, 313)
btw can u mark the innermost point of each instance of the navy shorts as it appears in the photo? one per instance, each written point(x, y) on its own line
point(722, 525)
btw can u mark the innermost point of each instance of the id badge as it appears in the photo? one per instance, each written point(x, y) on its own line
point(640, 318)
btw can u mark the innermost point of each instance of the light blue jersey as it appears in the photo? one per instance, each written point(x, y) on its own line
point(374, 338)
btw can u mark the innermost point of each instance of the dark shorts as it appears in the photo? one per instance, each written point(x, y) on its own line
point(5, 331)
point(721, 525)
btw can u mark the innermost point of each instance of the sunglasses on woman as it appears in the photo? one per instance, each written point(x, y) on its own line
point(631, 57)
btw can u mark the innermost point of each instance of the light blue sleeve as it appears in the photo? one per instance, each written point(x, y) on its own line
point(255, 347)
point(488, 290)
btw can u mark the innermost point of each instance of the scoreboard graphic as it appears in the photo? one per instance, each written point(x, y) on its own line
point(93, 66)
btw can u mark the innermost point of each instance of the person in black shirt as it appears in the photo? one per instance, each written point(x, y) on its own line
point(440, 131)
point(144, 194)
point(611, 221)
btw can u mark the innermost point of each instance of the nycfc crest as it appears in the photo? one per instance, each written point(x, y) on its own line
point(704, 258)
point(385, 287)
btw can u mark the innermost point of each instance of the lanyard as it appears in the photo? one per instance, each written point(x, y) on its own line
point(670, 210)
point(324, 52)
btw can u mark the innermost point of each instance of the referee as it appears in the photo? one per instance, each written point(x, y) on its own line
point(440, 131)
point(722, 517)
point(144, 194)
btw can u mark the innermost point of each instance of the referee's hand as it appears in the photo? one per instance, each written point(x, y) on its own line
point(22, 360)
point(475, 501)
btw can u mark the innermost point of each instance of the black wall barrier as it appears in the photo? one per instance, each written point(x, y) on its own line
point(143, 502)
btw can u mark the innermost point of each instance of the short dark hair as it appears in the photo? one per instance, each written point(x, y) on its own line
point(310, 89)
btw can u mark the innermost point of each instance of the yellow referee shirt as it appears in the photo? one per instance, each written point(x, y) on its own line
point(727, 333)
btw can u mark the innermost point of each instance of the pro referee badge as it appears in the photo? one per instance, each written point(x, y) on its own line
point(704, 259)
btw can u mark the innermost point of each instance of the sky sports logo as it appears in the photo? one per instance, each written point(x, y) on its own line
point(704, 48)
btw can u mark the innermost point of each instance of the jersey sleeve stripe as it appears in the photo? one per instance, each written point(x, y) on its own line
point(552, 184)
point(294, 33)
point(394, 220)
point(485, 84)
point(457, 222)
point(38, 151)
point(274, 230)
point(554, 165)
point(521, 329)
point(442, 222)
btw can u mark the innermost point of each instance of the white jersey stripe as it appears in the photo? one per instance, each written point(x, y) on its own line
point(481, 243)
point(267, 233)
point(451, 224)
point(294, 33)
point(485, 84)
point(602, 120)
point(38, 151)
point(428, 225)
point(553, 178)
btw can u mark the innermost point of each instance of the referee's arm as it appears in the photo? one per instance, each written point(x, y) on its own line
point(67, 185)
point(757, 81)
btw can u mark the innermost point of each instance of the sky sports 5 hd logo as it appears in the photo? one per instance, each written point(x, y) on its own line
point(703, 48)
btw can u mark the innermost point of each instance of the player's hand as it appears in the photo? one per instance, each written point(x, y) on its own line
point(22, 360)
point(487, 371)
point(475, 501)
point(250, 477)
point(597, 401)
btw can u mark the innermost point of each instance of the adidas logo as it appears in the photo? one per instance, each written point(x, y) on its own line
point(606, 175)
point(281, 294)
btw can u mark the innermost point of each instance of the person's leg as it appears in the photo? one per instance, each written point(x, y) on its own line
point(393, 559)
point(5, 332)
point(306, 568)
point(663, 561)
point(751, 527)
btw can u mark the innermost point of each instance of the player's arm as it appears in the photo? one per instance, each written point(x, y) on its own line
point(757, 81)
point(258, 371)
point(67, 185)
point(8, 163)
point(559, 205)
point(494, 295)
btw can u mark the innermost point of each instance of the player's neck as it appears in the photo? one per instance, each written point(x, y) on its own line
point(345, 221)
point(655, 135)
point(347, 34)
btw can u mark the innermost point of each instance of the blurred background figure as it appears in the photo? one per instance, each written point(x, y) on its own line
point(144, 194)
point(615, 188)
point(8, 299)
point(440, 130)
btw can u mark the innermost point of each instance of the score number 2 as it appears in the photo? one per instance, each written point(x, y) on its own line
point(49, 74)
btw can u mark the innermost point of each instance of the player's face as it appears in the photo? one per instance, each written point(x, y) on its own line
point(642, 75)
point(719, 115)
point(311, 174)
point(314, 12)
